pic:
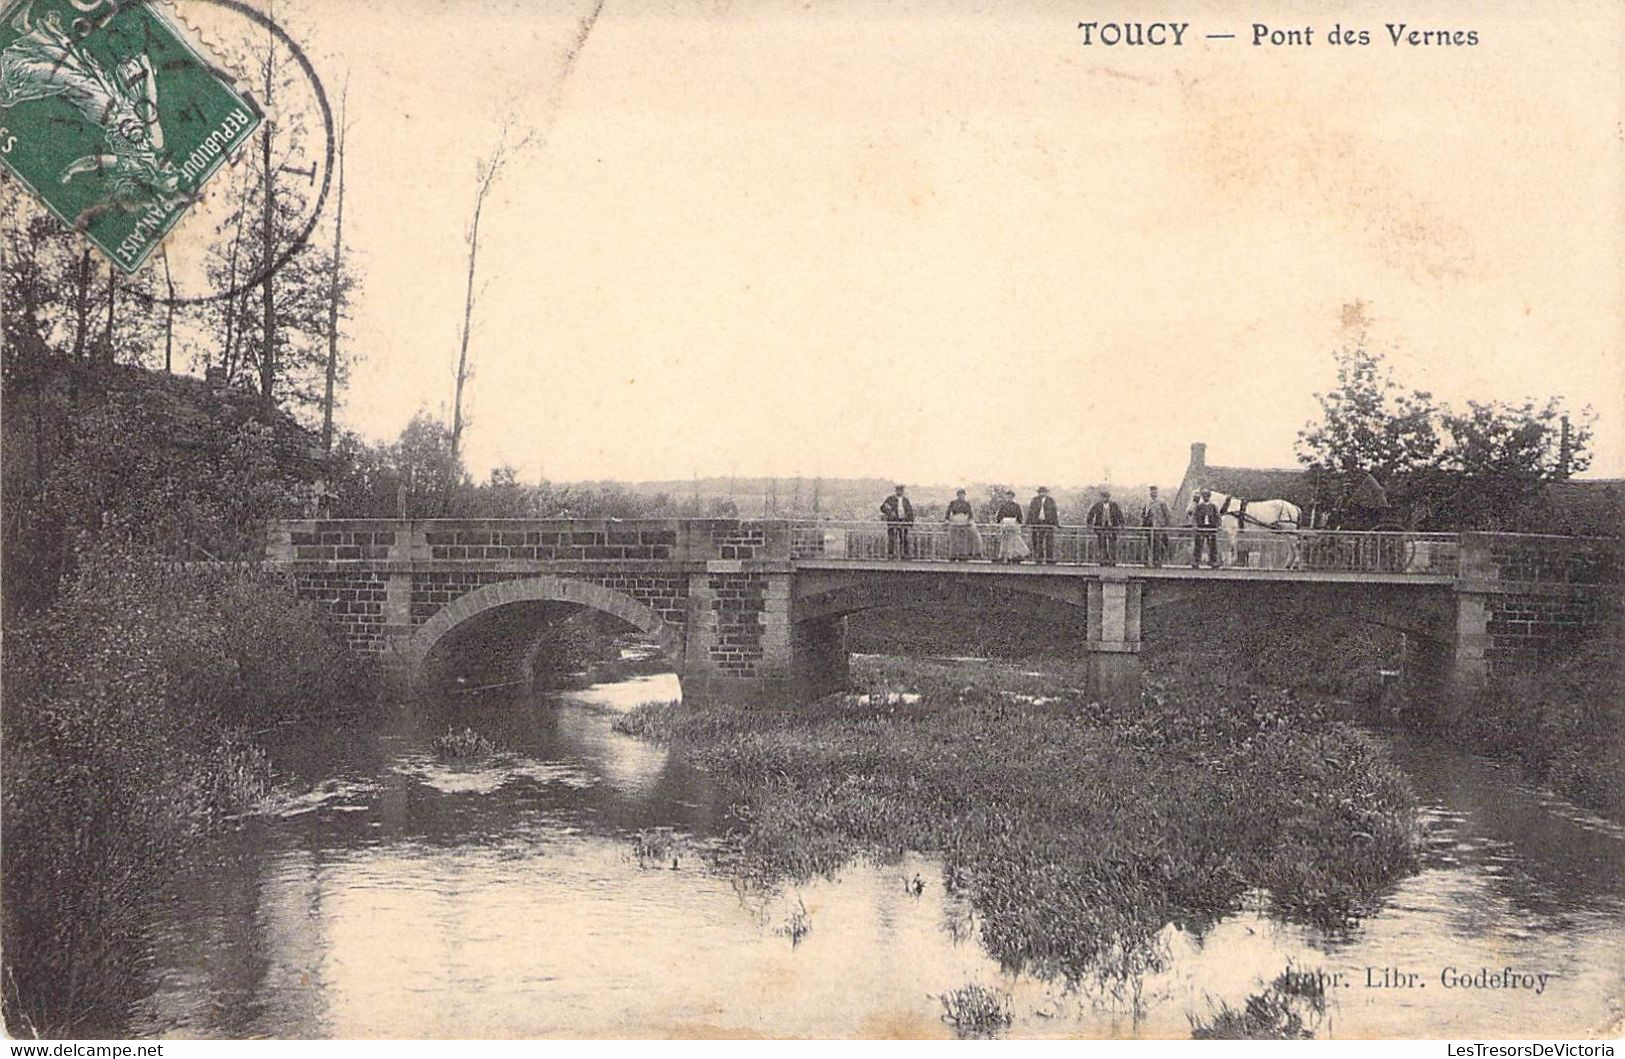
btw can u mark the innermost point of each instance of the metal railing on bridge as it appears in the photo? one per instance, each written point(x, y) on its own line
point(1305, 550)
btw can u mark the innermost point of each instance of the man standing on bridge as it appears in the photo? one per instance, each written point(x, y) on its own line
point(1042, 517)
point(1106, 518)
point(1205, 516)
point(1155, 517)
point(899, 515)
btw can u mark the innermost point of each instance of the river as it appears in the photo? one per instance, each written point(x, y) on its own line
point(561, 889)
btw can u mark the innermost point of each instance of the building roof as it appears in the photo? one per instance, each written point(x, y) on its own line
point(1583, 506)
point(1261, 483)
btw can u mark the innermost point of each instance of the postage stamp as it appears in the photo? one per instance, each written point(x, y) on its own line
point(112, 118)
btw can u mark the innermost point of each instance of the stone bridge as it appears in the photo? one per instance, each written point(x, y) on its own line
point(754, 610)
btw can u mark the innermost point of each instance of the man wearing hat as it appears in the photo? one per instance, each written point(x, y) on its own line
point(899, 515)
point(1156, 517)
point(1106, 518)
point(1042, 518)
point(1205, 515)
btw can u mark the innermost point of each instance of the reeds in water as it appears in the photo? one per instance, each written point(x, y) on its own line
point(974, 1010)
point(464, 746)
point(1289, 1009)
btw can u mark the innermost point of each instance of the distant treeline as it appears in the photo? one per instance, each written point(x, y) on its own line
point(417, 476)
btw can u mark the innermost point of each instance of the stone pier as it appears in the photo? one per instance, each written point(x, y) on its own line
point(1114, 637)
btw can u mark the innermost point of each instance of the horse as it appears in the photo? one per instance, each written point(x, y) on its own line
point(1276, 520)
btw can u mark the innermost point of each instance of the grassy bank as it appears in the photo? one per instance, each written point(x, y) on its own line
point(1561, 721)
point(130, 708)
point(1077, 830)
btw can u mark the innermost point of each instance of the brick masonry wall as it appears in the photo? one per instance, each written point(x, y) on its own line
point(1524, 628)
point(665, 594)
point(739, 542)
point(1544, 593)
point(611, 542)
point(339, 542)
point(1545, 560)
point(355, 601)
point(738, 602)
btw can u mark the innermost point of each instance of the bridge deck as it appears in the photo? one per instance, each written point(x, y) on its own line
point(984, 567)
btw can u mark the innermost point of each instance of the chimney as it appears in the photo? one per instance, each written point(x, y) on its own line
point(1198, 455)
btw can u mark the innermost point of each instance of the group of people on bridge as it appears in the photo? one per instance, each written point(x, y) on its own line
point(1041, 518)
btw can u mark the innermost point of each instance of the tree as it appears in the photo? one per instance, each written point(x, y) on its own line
point(364, 479)
point(502, 496)
point(485, 175)
point(169, 313)
point(335, 285)
point(1369, 423)
point(278, 332)
point(1499, 457)
point(38, 266)
point(406, 478)
point(429, 468)
point(59, 300)
point(268, 228)
point(1479, 467)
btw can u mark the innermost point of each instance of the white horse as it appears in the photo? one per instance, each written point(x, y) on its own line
point(1267, 526)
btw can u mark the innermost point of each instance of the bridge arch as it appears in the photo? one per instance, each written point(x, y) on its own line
point(537, 590)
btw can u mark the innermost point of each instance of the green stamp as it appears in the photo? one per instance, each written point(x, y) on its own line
point(112, 118)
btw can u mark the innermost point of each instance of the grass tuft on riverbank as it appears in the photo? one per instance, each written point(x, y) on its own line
point(974, 1010)
point(1078, 830)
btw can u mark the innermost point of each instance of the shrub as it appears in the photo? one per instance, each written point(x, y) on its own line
point(125, 710)
point(1263, 1017)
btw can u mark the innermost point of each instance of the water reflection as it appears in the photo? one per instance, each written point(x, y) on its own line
point(392, 896)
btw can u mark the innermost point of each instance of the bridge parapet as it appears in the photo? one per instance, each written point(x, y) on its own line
point(1524, 561)
point(527, 540)
point(1308, 551)
point(1522, 597)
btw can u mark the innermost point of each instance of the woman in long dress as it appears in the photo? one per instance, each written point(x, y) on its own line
point(963, 540)
point(1012, 548)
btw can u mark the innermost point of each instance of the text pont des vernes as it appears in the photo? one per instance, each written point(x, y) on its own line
point(1261, 35)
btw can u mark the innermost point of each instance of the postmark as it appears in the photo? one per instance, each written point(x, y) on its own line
point(313, 158)
point(113, 119)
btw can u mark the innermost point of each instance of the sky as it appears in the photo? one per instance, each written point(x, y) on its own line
point(946, 241)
